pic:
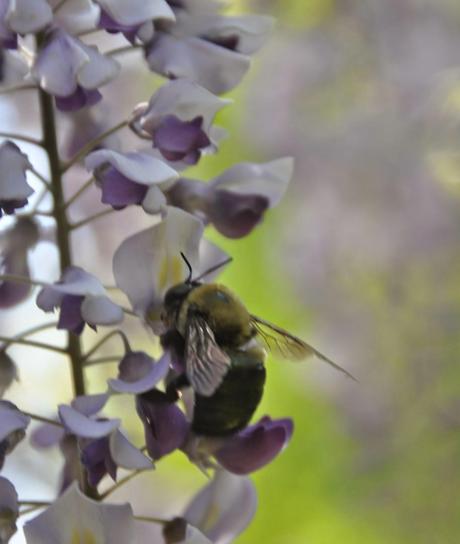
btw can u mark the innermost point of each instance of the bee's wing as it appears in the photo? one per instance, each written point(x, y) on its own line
point(206, 364)
point(289, 346)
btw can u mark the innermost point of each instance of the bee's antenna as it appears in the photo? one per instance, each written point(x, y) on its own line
point(214, 268)
point(189, 266)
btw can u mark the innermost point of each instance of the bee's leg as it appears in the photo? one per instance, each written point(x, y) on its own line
point(175, 385)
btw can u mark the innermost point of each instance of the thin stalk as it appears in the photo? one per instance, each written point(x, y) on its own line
point(34, 503)
point(80, 191)
point(21, 137)
point(108, 359)
point(22, 279)
point(45, 182)
point(150, 519)
point(41, 196)
point(122, 50)
point(106, 339)
point(121, 482)
point(91, 145)
point(31, 509)
point(42, 419)
point(31, 343)
point(92, 218)
point(29, 332)
point(17, 88)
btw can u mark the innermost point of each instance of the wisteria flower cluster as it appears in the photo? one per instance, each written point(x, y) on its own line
point(201, 53)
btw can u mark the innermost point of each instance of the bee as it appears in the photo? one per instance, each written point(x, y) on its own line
point(223, 348)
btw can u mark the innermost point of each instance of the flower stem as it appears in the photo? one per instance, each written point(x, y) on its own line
point(31, 343)
point(121, 482)
point(108, 359)
point(150, 519)
point(106, 339)
point(22, 279)
point(45, 182)
point(17, 88)
point(92, 144)
point(91, 218)
point(122, 50)
point(22, 138)
point(80, 191)
point(42, 419)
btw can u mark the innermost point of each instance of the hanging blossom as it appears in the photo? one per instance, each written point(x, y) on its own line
point(178, 119)
point(20, 17)
point(13, 425)
point(72, 71)
point(81, 299)
point(14, 189)
point(236, 201)
point(135, 19)
point(131, 178)
point(206, 47)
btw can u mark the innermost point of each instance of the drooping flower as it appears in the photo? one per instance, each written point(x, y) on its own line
point(235, 201)
point(13, 425)
point(22, 17)
point(75, 16)
point(81, 299)
point(131, 178)
point(104, 447)
point(134, 18)
point(179, 120)
point(14, 189)
point(8, 371)
point(73, 517)
point(254, 447)
point(139, 373)
point(15, 244)
point(9, 510)
point(223, 508)
point(165, 425)
point(72, 71)
point(206, 47)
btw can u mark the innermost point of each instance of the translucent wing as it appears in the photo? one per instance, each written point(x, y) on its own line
point(289, 346)
point(206, 364)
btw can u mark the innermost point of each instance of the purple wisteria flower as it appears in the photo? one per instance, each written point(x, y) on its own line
point(14, 189)
point(224, 508)
point(134, 18)
point(179, 120)
point(206, 47)
point(8, 372)
point(81, 299)
point(166, 428)
point(256, 446)
point(104, 447)
point(235, 201)
point(76, 518)
point(13, 425)
point(15, 244)
point(75, 16)
point(22, 17)
point(9, 510)
point(131, 178)
point(139, 373)
point(72, 71)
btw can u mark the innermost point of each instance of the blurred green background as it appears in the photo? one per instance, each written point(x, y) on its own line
point(361, 258)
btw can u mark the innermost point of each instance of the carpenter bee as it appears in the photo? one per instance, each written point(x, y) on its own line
point(222, 346)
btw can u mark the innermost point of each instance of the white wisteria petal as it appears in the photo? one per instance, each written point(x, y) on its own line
point(13, 164)
point(74, 518)
point(99, 70)
point(126, 455)
point(154, 200)
point(77, 15)
point(224, 508)
point(134, 12)
point(139, 167)
point(81, 425)
point(76, 281)
point(194, 536)
point(268, 179)
point(148, 263)
point(185, 100)
point(90, 405)
point(147, 382)
point(25, 16)
point(214, 67)
point(100, 310)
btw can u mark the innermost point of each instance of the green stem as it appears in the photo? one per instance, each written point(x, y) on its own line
point(121, 482)
point(45, 182)
point(106, 339)
point(108, 359)
point(42, 419)
point(91, 145)
point(29, 332)
point(31, 343)
point(122, 50)
point(150, 519)
point(22, 279)
point(80, 191)
point(22, 138)
point(34, 503)
point(17, 88)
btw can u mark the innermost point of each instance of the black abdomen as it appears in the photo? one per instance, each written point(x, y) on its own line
point(233, 404)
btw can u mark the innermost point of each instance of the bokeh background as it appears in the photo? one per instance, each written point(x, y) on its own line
point(361, 258)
